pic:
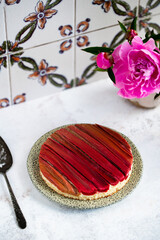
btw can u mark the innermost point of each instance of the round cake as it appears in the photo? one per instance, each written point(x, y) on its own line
point(85, 161)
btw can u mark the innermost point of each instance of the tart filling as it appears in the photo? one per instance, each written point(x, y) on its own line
point(85, 161)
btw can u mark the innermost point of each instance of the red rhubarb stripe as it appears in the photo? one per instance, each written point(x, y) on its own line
point(105, 174)
point(120, 141)
point(116, 135)
point(104, 148)
point(79, 163)
point(56, 178)
point(80, 182)
point(96, 156)
point(116, 144)
point(102, 138)
point(101, 149)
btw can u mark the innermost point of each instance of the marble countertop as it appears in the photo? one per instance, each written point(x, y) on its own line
point(135, 217)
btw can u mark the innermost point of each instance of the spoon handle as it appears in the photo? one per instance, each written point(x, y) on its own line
point(19, 215)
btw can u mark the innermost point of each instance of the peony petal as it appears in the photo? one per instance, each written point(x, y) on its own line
point(34, 75)
point(39, 7)
point(102, 61)
point(152, 55)
point(150, 44)
point(124, 50)
point(31, 17)
point(43, 64)
point(123, 93)
point(50, 12)
point(41, 23)
point(50, 70)
point(115, 54)
point(137, 42)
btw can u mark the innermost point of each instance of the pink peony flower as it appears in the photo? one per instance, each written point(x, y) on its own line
point(137, 68)
point(104, 60)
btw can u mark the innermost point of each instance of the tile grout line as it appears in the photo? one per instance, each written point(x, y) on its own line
point(65, 38)
point(75, 35)
point(8, 62)
point(80, 34)
point(138, 4)
point(75, 61)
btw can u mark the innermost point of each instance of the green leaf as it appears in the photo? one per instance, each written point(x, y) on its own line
point(117, 40)
point(122, 27)
point(17, 49)
point(97, 50)
point(72, 83)
point(4, 44)
point(77, 81)
point(30, 28)
point(9, 44)
point(89, 71)
point(5, 63)
point(12, 61)
point(31, 61)
point(123, 4)
point(18, 53)
point(151, 6)
point(154, 26)
point(151, 34)
point(100, 69)
point(157, 95)
point(134, 24)
point(24, 67)
point(52, 79)
point(49, 6)
point(111, 75)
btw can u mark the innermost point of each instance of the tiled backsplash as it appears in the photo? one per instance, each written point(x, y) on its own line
point(41, 42)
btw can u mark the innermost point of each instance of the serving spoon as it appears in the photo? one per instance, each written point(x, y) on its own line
point(5, 163)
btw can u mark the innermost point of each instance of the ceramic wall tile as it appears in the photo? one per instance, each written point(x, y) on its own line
point(5, 94)
point(41, 71)
point(86, 62)
point(4, 74)
point(148, 7)
point(37, 22)
point(2, 29)
point(45, 39)
point(92, 15)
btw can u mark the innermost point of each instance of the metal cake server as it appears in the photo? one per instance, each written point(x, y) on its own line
point(5, 163)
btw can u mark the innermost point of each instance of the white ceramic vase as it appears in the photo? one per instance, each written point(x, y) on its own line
point(146, 102)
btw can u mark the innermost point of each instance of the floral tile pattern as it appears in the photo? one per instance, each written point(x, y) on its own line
point(39, 73)
point(149, 24)
point(5, 99)
point(37, 22)
point(2, 24)
point(86, 63)
point(41, 42)
point(105, 13)
point(148, 7)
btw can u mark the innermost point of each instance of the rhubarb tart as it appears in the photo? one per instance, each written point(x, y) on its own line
point(85, 161)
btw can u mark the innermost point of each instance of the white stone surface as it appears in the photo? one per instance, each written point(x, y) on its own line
point(135, 217)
